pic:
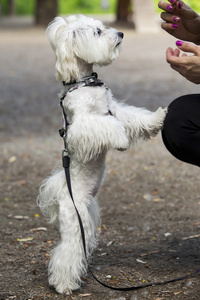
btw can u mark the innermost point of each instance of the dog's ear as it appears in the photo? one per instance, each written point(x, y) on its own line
point(66, 61)
point(61, 38)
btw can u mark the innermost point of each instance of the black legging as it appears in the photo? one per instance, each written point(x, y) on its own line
point(181, 131)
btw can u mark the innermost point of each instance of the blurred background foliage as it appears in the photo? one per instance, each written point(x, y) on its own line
point(27, 7)
point(65, 6)
point(195, 4)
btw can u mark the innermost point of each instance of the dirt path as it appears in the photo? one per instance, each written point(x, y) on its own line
point(150, 203)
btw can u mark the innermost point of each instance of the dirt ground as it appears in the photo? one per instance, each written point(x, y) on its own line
point(150, 203)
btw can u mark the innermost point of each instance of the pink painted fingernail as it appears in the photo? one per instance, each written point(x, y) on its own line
point(176, 19)
point(174, 25)
point(179, 43)
point(172, 1)
point(169, 7)
point(179, 5)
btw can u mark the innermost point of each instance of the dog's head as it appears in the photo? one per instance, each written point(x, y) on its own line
point(78, 41)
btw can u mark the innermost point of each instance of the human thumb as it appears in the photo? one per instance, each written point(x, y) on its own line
point(188, 47)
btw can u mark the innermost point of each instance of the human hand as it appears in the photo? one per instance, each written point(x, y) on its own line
point(180, 20)
point(187, 65)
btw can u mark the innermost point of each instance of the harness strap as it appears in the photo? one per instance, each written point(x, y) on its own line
point(66, 166)
point(91, 81)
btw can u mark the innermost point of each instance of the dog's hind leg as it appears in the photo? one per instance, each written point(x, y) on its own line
point(67, 260)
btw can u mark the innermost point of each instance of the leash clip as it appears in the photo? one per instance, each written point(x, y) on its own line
point(65, 159)
point(65, 153)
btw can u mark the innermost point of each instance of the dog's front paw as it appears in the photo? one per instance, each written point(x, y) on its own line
point(122, 142)
point(158, 120)
point(161, 113)
point(124, 145)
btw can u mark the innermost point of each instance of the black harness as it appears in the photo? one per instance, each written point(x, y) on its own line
point(94, 81)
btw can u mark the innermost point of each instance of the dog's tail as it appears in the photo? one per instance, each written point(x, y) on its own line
point(50, 192)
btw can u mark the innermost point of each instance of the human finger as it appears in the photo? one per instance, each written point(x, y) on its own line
point(169, 27)
point(188, 47)
point(176, 52)
point(172, 56)
point(169, 17)
point(170, 53)
point(166, 6)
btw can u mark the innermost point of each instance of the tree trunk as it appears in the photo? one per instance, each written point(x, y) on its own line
point(123, 10)
point(11, 7)
point(46, 10)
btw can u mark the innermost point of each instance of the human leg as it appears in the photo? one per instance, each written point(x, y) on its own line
point(181, 131)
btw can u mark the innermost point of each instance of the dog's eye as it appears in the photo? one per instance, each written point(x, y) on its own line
point(98, 31)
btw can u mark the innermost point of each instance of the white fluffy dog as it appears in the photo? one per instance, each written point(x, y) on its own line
point(97, 123)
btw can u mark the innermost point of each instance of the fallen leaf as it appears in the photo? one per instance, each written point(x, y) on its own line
point(196, 224)
point(26, 155)
point(37, 215)
point(156, 199)
point(110, 243)
point(140, 261)
point(38, 229)
point(191, 237)
point(12, 159)
point(167, 234)
point(21, 182)
point(21, 217)
point(177, 293)
point(25, 240)
point(115, 281)
point(155, 192)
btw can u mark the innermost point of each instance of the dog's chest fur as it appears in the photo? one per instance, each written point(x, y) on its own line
point(93, 100)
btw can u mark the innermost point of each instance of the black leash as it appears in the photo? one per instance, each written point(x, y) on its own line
point(66, 166)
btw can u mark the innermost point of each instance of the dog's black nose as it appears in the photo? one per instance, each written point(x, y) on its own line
point(121, 35)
